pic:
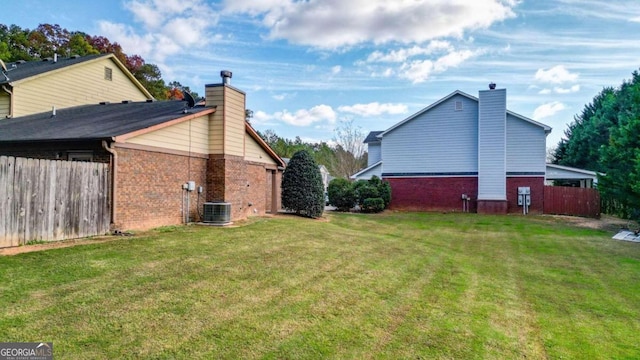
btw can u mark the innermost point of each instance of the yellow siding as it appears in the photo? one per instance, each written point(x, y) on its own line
point(234, 122)
point(255, 152)
point(4, 104)
point(215, 96)
point(190, 136)
point(77, 85)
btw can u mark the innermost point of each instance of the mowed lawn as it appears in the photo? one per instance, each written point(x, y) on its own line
point(392, 285)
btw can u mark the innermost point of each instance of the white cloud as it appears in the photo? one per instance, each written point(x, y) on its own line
point(332, 24)
point(420, 70)
point(302, 117)
point(168, 27)
point(547, 110)
point(559, 90)
point(402, 55)
point(374, 109)
point(336, 69)
point(555, 75)
point(544, 92)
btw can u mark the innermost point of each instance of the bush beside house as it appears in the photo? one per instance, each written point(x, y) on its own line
point(373, 195)
point(302, 187)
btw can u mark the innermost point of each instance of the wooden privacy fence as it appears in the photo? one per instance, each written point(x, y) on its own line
point(47, 200)
point(562, 200)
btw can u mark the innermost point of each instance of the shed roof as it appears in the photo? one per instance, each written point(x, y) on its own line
point(95, 122)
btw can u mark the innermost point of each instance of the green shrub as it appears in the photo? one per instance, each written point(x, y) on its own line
point(341, 194)
point(302, 188)
point(373, 205)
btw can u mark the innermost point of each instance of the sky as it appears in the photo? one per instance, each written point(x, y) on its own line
point(311, 66)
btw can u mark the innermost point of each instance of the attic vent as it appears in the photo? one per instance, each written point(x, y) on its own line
point(104, 103)
point(108, 73)
point(47, 59)
point(217, 213)
point(126, 101)
point(75, 56)
point(458, 105)
point(21, 62)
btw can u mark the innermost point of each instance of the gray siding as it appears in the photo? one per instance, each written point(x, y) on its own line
point(438, 141)
point(526, 148)
point(377, 171)
point(374, 153)
point(492, 119)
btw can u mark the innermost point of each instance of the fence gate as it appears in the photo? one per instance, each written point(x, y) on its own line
point(48, 200)
point(561, 200)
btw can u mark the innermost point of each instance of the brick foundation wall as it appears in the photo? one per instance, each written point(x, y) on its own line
point(432, 194)
point(444, 194)
point(537, 194)
point(492, 207)
point(149, 188)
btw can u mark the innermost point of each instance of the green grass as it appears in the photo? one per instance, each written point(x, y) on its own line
point(392, 285)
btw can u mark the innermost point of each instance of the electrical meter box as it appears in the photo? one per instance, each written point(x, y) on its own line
point(524, 195)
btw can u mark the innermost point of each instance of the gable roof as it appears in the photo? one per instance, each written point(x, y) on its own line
point(98, 122)
point(24, 71)
point(546, 128)
point(264, 145)
point(372, 137)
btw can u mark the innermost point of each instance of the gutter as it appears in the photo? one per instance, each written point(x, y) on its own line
point(10, 115)
point(113, 162)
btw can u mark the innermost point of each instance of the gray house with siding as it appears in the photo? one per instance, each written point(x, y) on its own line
point(461, 152)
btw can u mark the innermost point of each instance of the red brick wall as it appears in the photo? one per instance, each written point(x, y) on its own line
point(242, 184)
point(444, 194)
point(537, 194)
point(149, 188)
point(433, 194)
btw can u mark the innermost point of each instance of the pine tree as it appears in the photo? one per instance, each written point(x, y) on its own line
point(302, 188)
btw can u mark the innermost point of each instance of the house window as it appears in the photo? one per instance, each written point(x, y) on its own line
point(458, 105)
point(85, 156)
point(108, 72)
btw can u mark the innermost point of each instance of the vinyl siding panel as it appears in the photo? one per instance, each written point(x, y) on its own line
point(235, 118)
point(440, 140)
point(374, 153)
point(377, 171)
point(76, 85)
point(526, 147)
point(492, 145)
point(190, 136)
point(255, 152)
point(5, 100)
point(215, 97)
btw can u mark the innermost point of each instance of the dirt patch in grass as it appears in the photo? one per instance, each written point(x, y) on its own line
point(606, 222)
point(56, 245)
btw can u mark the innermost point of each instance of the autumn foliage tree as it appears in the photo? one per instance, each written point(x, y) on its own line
point(46, 40)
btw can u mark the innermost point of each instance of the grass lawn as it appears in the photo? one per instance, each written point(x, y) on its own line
point(392, 285)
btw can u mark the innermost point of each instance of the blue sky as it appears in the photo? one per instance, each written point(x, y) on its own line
point(307, 66)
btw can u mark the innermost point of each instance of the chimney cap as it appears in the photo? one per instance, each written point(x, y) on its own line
point(226, 73)
point(492, 86)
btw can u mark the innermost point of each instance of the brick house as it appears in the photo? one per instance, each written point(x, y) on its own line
point(461, 153)
point(154, 148)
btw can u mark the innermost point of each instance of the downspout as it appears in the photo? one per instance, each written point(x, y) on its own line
point(10, 115)
point(113, 163)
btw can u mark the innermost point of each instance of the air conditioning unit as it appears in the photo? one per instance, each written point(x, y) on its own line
point(217, 213)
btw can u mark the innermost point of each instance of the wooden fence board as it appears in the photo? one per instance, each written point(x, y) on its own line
point(52, 200)
point(572, 201)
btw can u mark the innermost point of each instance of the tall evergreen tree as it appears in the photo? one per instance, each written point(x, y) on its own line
point(302, 188)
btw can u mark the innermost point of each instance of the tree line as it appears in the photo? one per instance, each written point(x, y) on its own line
point(605, 137)
point(345, 156)
point(47, 40)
